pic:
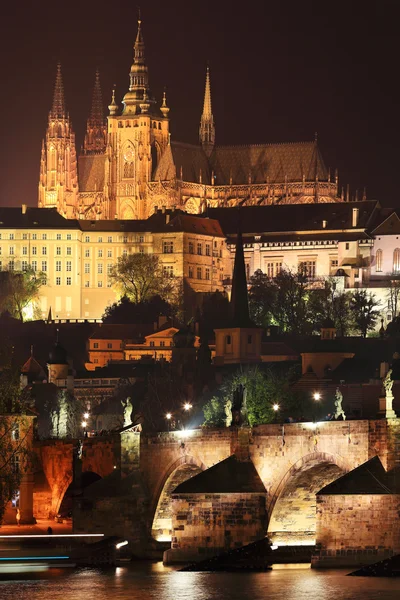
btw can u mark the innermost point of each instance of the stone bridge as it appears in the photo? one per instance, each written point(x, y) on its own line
point(294, 461)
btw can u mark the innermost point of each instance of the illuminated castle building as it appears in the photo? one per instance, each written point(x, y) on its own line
point(129, 165)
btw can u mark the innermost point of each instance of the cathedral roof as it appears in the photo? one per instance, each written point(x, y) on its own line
point(268, 162)
point(295, 218)
point(187, 159)
point(91, 172)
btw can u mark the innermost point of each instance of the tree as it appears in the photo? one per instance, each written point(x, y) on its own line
point(327, 302)
point(215, 311)
point(141, 276)
point(291, 308)
point(262, 390)
point(16, 431)
point(393, 295)
point(364, 310)
point(125, 311)
point(18, 290)
point(262, 299)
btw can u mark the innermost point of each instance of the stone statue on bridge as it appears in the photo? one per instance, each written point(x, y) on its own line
point(228, 412)
point(339, 412)
point(388, 384)
point(239, 406)
point(127, 406)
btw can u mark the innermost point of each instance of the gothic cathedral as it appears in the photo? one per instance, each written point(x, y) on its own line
point(129, 165)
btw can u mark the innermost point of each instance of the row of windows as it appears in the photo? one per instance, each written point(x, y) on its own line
point(161, 344)
point(99, 268)
point(396, 260)
point(25, 236)
point(34, 250)
point(199, 248)
point(24, 265)
point(199, 273)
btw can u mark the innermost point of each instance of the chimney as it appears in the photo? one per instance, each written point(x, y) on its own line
point(167, 219)
point(354, 218)
point(324, 224)
point(24, 209)
point(163, 209)
point(155, 209)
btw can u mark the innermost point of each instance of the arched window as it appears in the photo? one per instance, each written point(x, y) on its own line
point(396, 260)
point(379, 260)
point(129, 170)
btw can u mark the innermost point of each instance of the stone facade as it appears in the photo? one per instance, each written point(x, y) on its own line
point(356, 529)
point(207, 524)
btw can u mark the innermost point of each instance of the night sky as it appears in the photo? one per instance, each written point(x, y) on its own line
point(279, 72)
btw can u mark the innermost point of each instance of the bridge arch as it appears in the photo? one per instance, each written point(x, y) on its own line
point(176, 473)
point(292, 505)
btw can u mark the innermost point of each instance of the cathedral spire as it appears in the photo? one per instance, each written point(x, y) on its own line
point(138, 77)
point(96, 112)
point(95, 138)
point(207, 128)
point(58, 107)
point(239, 299)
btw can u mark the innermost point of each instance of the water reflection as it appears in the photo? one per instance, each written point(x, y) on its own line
point(152, 581)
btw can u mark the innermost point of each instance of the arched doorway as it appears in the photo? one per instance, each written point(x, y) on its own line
point(293, 511)
point(162, 523)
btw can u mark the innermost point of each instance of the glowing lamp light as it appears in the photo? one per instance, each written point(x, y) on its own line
point(317, 396)
point(168, 416)
point(120, 544)
point(274, 547)
point(86, 415)
point(84, 423)
point(187, 406)
point(276, 407)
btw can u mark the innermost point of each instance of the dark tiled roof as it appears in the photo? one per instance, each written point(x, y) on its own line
point(368, 478)
point(109, 331)
point(390, 226)
point(277, 349)
point(229, 476)
point(190, 160)
point(34, 218)
point(91, 172)
point(267, 162)
point(294, 218)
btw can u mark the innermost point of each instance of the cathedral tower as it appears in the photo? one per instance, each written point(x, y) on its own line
point(207, 127)
point(137, 137)
point(58, 184)
point(96, 127)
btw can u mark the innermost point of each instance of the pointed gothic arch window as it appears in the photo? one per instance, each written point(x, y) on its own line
point(379, 260)
point(396, 260)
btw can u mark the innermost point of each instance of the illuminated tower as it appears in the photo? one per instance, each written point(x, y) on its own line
point(58, 184)
point(137, 137)
point(96, 127)
point(207, 127)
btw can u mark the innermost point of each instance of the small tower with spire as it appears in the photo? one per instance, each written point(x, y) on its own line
point(239, 340)
point(96, 130)
point(58, 183)
point(207, 127)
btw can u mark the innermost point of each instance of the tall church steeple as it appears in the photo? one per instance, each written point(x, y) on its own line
point(239, 297)
point(207, 127)
point(138, 78)
point(96, 129)
point(58, 184)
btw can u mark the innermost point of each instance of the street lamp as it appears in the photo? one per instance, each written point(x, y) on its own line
point(168, 416)
point(187, 406)
point(317, 398)
point(86, 415)
point(276, 407)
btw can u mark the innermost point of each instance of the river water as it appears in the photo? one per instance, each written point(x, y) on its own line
point(152, 581)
